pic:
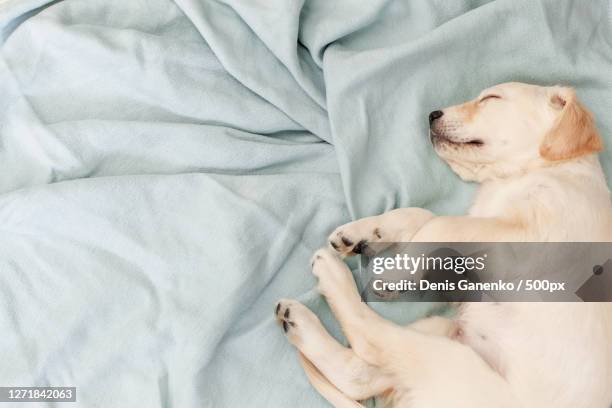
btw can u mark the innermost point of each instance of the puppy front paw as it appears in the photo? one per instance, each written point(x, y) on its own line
point(335, 278)
point(373, 234)
point(356, 237)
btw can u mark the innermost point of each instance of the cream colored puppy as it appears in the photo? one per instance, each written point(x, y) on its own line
point(533, 150)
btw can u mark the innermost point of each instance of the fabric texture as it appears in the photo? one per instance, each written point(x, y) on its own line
point(168, 168)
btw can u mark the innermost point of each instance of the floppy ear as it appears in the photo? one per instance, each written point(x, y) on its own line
point(574, 133)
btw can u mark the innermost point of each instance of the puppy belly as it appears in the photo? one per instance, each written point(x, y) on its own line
point(481, 326)
point(539, 347)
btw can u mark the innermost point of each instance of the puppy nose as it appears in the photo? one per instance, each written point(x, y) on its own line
point(435, 115)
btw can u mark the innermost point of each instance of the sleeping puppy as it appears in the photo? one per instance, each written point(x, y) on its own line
point(533, 151)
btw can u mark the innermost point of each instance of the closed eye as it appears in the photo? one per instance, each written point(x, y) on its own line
point(491, 96)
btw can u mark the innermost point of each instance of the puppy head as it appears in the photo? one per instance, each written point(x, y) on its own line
point(511, 128)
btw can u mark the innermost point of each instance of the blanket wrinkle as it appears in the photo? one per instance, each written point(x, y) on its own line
point(250, 75)
point(38, 143)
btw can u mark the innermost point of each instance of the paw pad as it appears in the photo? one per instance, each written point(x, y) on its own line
point(360, 247)
point(346, 241)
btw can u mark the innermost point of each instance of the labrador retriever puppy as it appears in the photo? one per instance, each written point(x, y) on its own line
point(534, 152)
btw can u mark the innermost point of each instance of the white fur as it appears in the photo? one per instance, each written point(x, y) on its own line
point(491, 355)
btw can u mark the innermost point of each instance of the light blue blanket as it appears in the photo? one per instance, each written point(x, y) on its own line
point(167, 169)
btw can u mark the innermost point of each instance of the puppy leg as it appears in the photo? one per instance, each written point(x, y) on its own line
point(435, 326)
point(340, 365)
point(393, 226)
point(365, 330)
point(474, 229)
point(426, 362)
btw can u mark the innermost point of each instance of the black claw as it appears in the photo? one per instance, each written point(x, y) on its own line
point(286, 313)
point(347, 241)
point(285, 327)
point(377, 233)
point(277, 308)
point(316, 258)
point(334, 245)
point(360, 247)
